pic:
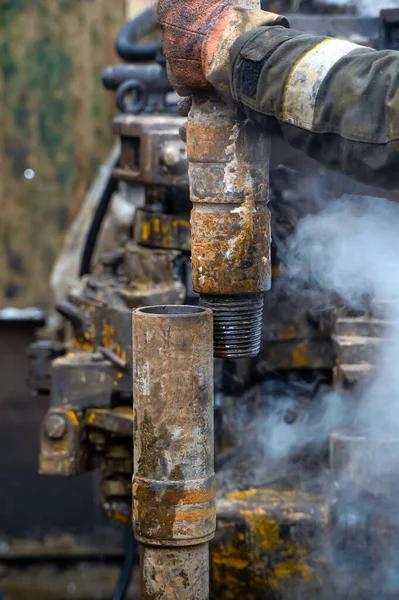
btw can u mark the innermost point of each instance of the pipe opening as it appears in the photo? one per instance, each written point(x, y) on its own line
point(171, 310)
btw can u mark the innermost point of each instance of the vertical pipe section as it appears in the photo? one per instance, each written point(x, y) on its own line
point(180, 573)
point(173, 481)
point(230, 222)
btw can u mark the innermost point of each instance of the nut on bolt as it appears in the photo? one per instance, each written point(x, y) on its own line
point(55, 426)
point(174, 157)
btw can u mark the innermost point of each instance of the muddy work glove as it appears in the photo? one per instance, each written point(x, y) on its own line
point(197, 37)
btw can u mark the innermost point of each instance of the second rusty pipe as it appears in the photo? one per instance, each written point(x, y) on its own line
point(230, 221)
point(230, 224)
point(173, 483)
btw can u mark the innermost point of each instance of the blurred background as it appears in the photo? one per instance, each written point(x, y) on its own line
point(55, 115)
point(57, 162)
point(53, 128)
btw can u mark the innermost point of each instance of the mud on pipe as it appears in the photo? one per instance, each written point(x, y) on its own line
point(173, 481)
point(230, 223)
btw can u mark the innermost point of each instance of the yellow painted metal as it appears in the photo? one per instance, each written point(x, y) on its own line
point(263, 547)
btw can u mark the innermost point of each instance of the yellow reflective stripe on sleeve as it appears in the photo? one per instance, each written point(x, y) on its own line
point(306, 77)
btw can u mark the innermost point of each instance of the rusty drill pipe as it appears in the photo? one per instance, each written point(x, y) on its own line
point(173, 477)
point(230, 222)
point(175, 573)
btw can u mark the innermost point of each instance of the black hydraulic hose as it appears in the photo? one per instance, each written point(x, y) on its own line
point(151, 75)
point(131, 559)
point(126, 43)
point(98, 217)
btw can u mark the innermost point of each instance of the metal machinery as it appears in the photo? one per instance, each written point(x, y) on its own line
point(274, 524)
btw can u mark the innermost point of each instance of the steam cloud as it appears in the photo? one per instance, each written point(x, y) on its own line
point(351, 249)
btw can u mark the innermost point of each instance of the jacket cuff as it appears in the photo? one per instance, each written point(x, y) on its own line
point(241, 23)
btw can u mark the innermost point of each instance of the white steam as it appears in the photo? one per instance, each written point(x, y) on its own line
point(349, 250)
point(352, 249)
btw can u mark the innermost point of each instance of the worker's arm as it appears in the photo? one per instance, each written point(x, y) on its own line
point(337, 101)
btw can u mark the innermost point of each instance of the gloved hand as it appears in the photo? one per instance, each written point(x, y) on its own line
point(199, 33)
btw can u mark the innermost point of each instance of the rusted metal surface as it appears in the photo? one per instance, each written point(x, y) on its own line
point(65, 454)
point(119, 420)
point(295, 354)
point(73, 442)
point(84, 380)
point(43, 519)
point(97, 363)
point(175, 573)
point(152, 151)
point(173, 481)
point(270, 543)
point(89, 425)
point(41, 354)
point(358, 342)
point(230, 223)
point(229, 188)
point(110, 432)
point(173, 487)
point(160, 230)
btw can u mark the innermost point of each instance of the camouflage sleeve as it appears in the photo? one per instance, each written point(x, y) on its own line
point(335, 100)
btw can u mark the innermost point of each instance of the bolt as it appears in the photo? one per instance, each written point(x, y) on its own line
point(174, 157)
point(55, 426)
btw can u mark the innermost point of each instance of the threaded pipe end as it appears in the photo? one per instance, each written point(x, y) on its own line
point(237, 324)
